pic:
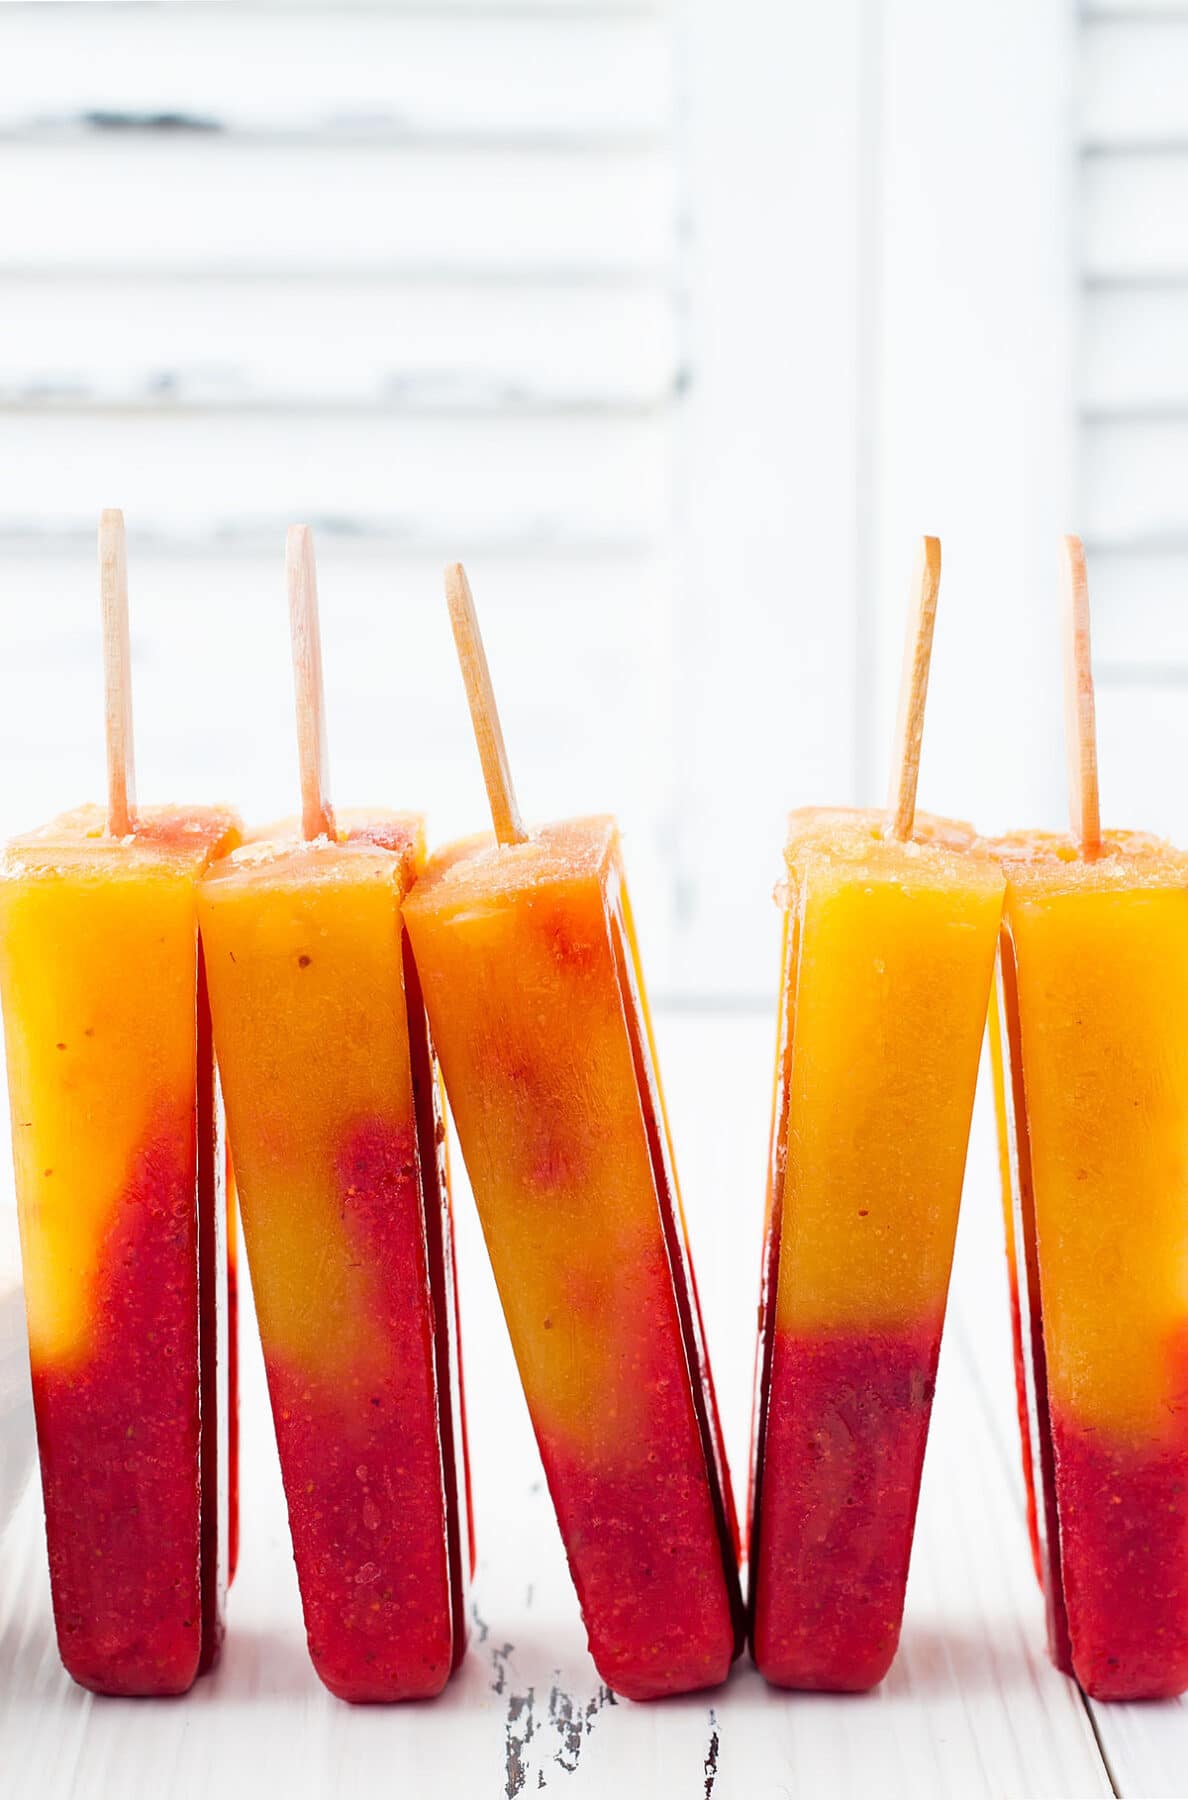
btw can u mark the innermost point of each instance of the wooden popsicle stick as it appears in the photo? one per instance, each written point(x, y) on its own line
point(1080, 712)
point(301, 578)
point(913, 690)
point(117, 673)
point(484, 714)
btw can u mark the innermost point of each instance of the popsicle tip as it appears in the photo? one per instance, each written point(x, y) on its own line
point(913, 689)
point(117, 673)
point(484, 712)
point(1080, 707)
point(301, 579)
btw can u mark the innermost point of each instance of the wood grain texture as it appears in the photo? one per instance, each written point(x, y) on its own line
point(117, 673)
point(1080, 718)
point(484, 711)
point(309, 690)
point(972, 1706)
point(913, 689)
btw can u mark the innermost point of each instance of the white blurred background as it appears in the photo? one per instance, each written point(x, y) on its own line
point(677, 322)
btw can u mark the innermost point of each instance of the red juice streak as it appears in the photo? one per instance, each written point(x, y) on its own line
point(1027, 1323)
point(119, 1439)
point(847, 1422)
point(641, 1536)
point(1124, 1553)
point(361, 1456)
point(439, 1238)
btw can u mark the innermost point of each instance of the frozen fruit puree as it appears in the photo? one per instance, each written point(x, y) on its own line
point(119, 1186)
point(528, 961)
point(1093, 1002)
point(888, 956)
point(334, 1127)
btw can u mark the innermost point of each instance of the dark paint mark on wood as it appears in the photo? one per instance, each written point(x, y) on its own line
point(521, 1727)
point(711, 1756)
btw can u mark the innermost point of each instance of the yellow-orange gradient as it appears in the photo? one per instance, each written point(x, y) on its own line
point(1101, 952)
point(305, 969)
point(543, 1088)
point(98, 960)
point(893, 951)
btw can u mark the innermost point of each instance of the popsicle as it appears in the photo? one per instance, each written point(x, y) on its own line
point(529, 963)
point(337, 1138)
point(120, 1193)
point(1090, 1032)
point(890, 925)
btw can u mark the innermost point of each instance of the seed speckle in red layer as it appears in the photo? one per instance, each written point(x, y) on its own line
point(361, 1457)
point(118, 1432)
point(1124, 1557)
point(642, 1540)
point(847, 1422)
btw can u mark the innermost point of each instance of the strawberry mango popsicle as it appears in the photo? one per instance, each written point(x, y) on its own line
point(1092, 999)
point(889, 951)
point(119, 1186)
point(336, 1132)
point(890, 927)
point(528, 959)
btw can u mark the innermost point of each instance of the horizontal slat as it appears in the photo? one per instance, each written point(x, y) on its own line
point(1136, 480)
point(220, 206)
point(1136, 216)
point(1134, 82)
point(1135, 12)
point(1142, 752)
point(445, 485)
point(1140, 612)
point(1135, 350)
point(163, 343)
point(569, 77)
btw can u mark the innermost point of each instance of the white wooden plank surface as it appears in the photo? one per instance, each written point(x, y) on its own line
point(972, 1706)
point(563, 76)
point(1146, 1748)
point(222, 205)
point(398, 346)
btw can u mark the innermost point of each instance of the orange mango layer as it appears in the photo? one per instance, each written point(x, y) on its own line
point(889, 950)
point(1095, 1011)
point(531, 976)
point(118, 1175)
point(330, 1098)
